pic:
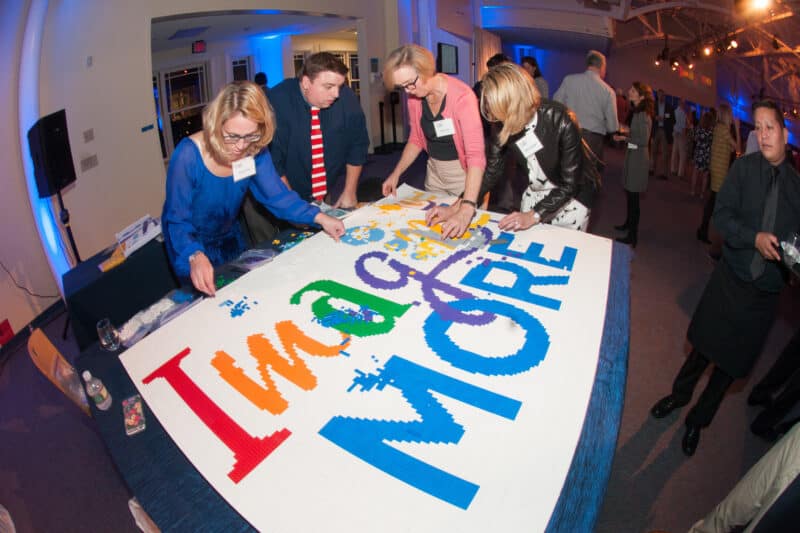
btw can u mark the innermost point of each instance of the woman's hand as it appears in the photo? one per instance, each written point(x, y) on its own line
point(202, 273)
point(455, 219)
point(330, 225)
point(390, 184)
point(517, 221)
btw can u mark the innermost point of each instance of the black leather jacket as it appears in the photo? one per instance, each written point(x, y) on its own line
point(565, 159)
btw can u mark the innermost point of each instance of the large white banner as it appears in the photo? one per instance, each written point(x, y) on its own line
point(390, 382)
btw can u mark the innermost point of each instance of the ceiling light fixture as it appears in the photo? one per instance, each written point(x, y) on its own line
point(707, 50)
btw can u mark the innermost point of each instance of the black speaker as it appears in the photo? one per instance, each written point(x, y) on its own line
point(52, 158)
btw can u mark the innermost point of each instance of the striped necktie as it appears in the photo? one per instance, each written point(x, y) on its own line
point(319, 181)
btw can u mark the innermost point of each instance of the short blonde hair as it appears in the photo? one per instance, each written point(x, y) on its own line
point(243, 97)
point(509, 95)
point(408, 55)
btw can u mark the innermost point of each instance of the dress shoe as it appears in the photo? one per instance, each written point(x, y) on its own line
point(621, 227)
point(665, 406)
point(690, 440)
point(702, 237)
point(628, 239)
point(762, 428)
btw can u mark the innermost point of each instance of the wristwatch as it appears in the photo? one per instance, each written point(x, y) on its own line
point(536, 218)
point(194, 255)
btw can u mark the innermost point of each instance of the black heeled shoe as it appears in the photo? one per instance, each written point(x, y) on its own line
point(622, 227)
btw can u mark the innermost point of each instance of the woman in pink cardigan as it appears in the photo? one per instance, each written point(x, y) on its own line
point(445, 122)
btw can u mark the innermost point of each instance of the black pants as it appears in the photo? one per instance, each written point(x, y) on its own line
point(708, 210)
point(785, 371)
point(633, 212)
point(706, 406)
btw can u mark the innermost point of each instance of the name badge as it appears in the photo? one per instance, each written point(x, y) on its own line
point(529, 144)
point(444, 127)
point(632, 146)
point(244, 168)
point(666, 115)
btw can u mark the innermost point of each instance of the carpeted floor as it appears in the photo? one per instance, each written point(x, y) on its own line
point(56, 476)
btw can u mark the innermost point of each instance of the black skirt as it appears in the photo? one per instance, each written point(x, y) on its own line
point(731, 321)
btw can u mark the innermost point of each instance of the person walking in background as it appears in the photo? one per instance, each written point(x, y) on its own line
point(531, 66)
point(546, 140)
point(637, 159)
point(757, 207)
point(723, 144)
point(445, 122)
point(593, 102)
point(679, 140)
point(702, 154)
point(662, 135)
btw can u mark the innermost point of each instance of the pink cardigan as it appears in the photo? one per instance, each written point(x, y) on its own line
point(462, 107)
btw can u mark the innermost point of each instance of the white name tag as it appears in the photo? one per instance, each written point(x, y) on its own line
point(444, 127)
point(666, 115)
point(244, 168)
point(529, 144)
point(632, 146)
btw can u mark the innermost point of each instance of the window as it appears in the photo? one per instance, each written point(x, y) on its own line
point(184, 94)
point(241, 69)
point(298, 58)
point(355, 79)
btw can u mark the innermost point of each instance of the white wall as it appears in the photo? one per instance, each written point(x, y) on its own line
point(20, 248)
point(113, 97)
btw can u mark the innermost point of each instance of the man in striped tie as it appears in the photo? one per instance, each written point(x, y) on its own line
point(321, 134)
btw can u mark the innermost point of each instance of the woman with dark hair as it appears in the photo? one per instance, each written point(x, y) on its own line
point(637, 158)
point(546, 139)
point(532, 67)
point(209, 173)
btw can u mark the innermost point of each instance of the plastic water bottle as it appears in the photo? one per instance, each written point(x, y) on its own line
point(97, 391)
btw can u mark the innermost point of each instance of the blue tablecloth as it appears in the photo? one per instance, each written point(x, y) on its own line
point(178, 498)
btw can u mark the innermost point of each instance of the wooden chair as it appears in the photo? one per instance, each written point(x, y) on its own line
point(57, 369)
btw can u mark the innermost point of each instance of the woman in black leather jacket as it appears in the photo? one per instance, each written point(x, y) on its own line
point(546, 138)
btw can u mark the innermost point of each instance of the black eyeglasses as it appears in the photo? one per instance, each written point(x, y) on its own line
point(410, 86)
point(232, 138)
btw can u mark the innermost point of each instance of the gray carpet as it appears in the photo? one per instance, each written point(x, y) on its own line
point(56, 476)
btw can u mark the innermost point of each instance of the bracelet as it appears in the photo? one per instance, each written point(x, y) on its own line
point(470, 202)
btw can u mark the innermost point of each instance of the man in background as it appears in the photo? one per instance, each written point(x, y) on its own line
point(756, 208)
point(662, 135)
point(593, 101)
